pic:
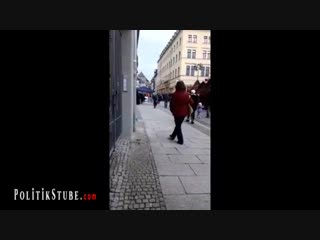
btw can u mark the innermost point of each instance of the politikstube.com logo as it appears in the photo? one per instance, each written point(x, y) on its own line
point(53, 194)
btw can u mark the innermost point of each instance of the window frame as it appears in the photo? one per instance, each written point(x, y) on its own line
point(195, 38)
point(204, 54)
point(188, 70)
point(189, 51)
point(205, 39)
point(202, 72)
point(194, 54)
point(207, 72)
point(192, 69)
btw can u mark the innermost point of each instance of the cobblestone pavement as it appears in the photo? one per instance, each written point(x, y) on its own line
point(134, 181)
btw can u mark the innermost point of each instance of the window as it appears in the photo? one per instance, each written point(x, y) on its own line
point(202, 72)
point(207, 71)
point(194, 38)
point(175, 73)
point(178, 71)
point(192, 70)
point(176, 57)
point(205, 39)
point(188, 71)
point(180, 41)
point(193, 54)
point(189, 53)
point(189, 38)
point(174, 47)
point(204, 54)
point(208, 55)
point(179, 55)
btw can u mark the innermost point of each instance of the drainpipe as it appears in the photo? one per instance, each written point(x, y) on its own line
point(135, 47)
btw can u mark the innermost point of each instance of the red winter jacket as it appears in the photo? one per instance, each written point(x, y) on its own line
point(179, 103)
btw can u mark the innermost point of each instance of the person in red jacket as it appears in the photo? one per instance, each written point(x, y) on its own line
point(179, 106)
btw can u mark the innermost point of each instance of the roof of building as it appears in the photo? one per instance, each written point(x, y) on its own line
point(169, 44)
point(142, 78)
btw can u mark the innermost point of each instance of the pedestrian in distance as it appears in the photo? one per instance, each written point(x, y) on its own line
point(165, 99)
point(155, 100)
point(195, 98)
point(141, 98)
point(199, 109)
point(179, 107)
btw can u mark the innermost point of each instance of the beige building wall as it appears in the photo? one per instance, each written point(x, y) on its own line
point(173, 62)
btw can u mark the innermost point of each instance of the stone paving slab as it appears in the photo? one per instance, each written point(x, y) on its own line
point(197, 145)
point(159, 149)
point(161, 159)
point(196, 184)
point(183, 159)
point(172, 144)
point(204, 158)
point(188, 202)
point(201, 169)
point(195, 151)
point(164, 133)
point(174, 169)
point(197, 138)
point(171, 185)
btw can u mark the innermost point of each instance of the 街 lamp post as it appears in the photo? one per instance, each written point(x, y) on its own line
point(198, 67)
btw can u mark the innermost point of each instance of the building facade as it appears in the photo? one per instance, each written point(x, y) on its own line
point(186, 57)
point(122, 84)
point(153, 80)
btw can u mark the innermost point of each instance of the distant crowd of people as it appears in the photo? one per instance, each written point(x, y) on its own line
point(157, 98)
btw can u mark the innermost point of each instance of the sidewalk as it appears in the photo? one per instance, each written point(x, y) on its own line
point(184, 170)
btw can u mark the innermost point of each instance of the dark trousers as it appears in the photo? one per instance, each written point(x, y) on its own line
point(177, 130)
point(192, 115)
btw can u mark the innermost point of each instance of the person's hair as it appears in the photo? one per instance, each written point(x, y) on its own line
point(180, 86)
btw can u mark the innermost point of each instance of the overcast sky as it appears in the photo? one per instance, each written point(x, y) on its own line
point(151, 43)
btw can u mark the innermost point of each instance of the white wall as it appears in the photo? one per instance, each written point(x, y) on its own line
point(129, 51)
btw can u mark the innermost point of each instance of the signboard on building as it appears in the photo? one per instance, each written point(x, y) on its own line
point(125, 85)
